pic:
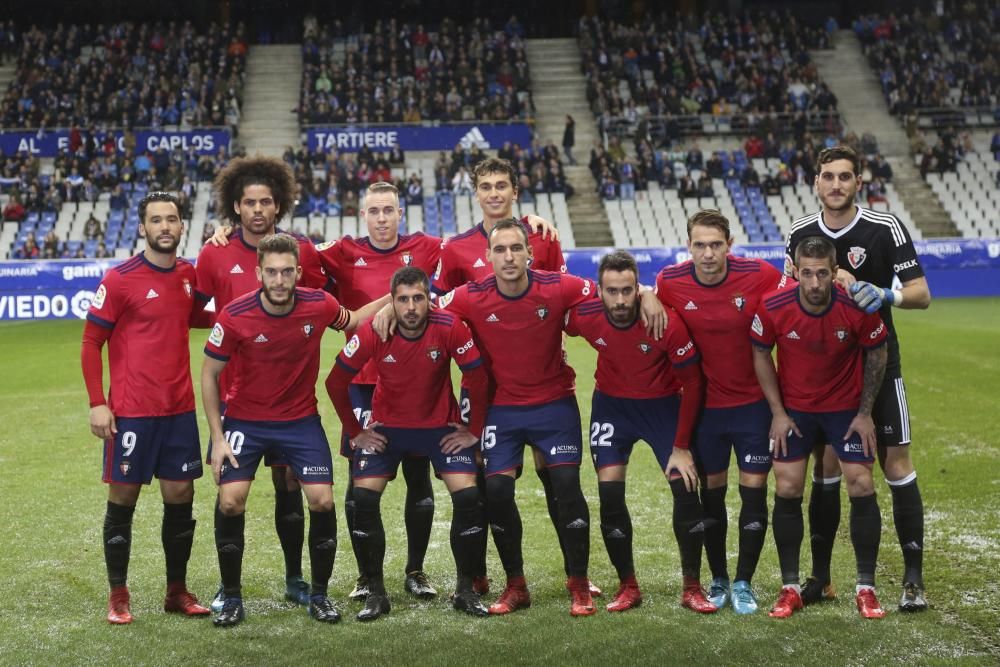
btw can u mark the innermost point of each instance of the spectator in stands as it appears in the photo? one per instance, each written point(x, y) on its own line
point(397, 158)
point(687, 187)
point(30, 248)
point(316, 236)
point(753, 147)
point(881, 168)
point(92, 228)
point(50, 245)
point(414, 190)
point(995, 145)
point(750, 178)
point(705, 186)
point(14, 211)
point(608, 186)
point(461, 182)
point(626, 179)
point(569, 139)
point(667, 179)
point(350, 203)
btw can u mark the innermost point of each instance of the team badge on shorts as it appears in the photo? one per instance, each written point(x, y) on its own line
point(856, 256)
point(125, 466)
point(841, 334)
point(739, 301)
point(543, 312)
point(434, 354)
point(362, 463)
point(307, 329)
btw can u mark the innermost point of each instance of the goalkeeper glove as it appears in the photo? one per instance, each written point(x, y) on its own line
point(869, 297)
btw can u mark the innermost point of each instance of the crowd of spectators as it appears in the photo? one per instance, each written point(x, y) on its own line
point(752, 63)
point(933, 58)
point(401, 72)
point(124, 75)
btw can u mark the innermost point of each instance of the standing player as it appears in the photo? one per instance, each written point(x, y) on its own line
point(414, 362)
point(872, 249)
point(717, 294)
point(254, 194)
point(273, 335)
point(646, 389)
point(831, 359)
point(142, 310)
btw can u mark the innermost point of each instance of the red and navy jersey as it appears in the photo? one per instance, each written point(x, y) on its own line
point(463, 257)
point(820, 358)
point(363, 273)
point(148, 309)
point(410, 368)
point(717, 316)
point(521, 337)
point(226, 272)
point(630, 363)
point(277, 355)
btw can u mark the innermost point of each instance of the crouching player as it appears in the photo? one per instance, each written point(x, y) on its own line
point(414, 412)
point(831, 358)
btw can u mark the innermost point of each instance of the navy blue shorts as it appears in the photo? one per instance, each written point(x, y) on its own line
point(412, 442)
point(144, 447)
point(361, 400)
point(272, 459)
point(302, 442)
point(824, 427)
point(552, 428)
point(743, 428)
point(617, 423)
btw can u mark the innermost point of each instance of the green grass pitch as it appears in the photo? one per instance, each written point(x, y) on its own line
point(54, 587)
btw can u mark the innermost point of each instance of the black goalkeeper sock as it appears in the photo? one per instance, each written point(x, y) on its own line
point(616, 527)
point(689, 528)
point(824, 520)
point(505, 523)
point(229, 543)
point(290, 524)
point(866, 533)
point(788, 532)
point(349, 517)
point(552, 503)
point(480, 568)
point(322, 549)
point(574, 519)
point(419, 511)
point(468, 534)
point(177, 535)
point(908, 515)
point(117, 539)
point(713, 502)
point(753, 529)
point(370, 534)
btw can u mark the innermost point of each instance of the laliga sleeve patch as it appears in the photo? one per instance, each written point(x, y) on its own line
point(99, 296)
point(352, 346)
point(757, 326)
point(437, 271)
point(218, 333)
point(445, 299)
point(323, 246)
point(789, 265)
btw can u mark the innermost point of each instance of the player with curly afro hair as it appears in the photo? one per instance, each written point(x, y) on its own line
point(275, 192)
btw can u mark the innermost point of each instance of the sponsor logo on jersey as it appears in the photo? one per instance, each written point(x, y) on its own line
point(307, 329)
point(853, 447)
point(645, 348)
point(434, 354)
point(841, 334)
point(875, 334)
point(493, 318)
point(909, 264)
point(792, 335)
point(151, 294)
point(543, 312)
point(887, 429)
point(459, 458)
point(125, 466)
point(479, 263)
point(757, 326)
point(261, 338)
point(191, 465)
point(757, 459)
point(218, 333)
point(690, 306)
point(681, 351)
point(99, 297)
point(315, 470)
point(352, 346)
point(856, 256)
point(389, 359)
point(187, 287)
point(564, 449)
point(407, 258)
point(600, 341)
point(236, 269)
point(465, 348)
point(360, 261)
point(739, 301)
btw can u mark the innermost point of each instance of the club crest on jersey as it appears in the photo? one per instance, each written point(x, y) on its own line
point(856, 256)
point(841, 334)
point(434, 354)
point(645, 348)
point(125, 466)
point(739, 301)
point(543, 312)
point(407, 258)
point(307, 329)
point(187, 287)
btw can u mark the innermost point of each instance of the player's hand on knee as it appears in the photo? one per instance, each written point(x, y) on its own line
point(459, 439)
point(782, 426)
point(384, 322)
point(682, 462)
point(869, 297)
point(370, 440)
point(102, 422)
point(221, 236)
point(864, 426)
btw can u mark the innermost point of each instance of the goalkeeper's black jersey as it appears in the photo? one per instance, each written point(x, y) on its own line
point(874, 247)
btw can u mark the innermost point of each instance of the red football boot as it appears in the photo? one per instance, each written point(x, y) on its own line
point(181, 601)
point(515, 596)
point(693, 597)
point(628, 596)
point(789, 601)
point(868, 604)
point(119, 612)
point(582, 601)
